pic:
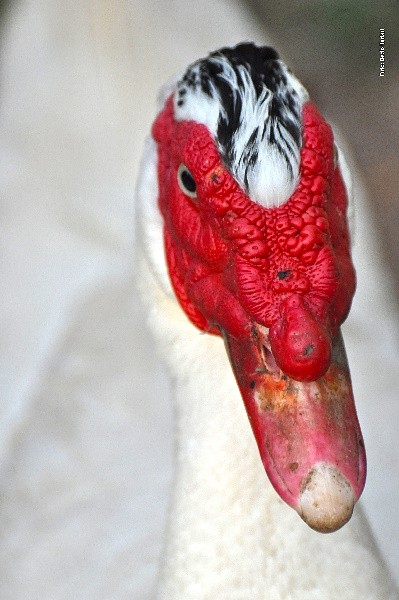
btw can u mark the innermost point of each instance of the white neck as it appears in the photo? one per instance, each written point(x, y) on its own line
point(229, 535)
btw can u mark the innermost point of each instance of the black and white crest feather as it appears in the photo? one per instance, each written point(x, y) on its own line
point(252, 106)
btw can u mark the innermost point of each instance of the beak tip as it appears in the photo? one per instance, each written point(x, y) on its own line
point(327, 499)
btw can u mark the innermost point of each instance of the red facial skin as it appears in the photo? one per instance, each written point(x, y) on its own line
point(233, 261)
point(238, 267)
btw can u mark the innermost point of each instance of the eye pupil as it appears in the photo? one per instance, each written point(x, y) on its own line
point(187, 181)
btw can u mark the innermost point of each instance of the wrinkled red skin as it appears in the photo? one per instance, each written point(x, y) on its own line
point(279, 277)
point(234, 263)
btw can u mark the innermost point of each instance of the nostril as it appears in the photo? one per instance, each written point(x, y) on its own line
point(269, 360)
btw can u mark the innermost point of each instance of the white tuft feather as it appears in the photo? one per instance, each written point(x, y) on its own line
point(270, 180)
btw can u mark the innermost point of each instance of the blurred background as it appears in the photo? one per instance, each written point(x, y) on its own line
point(86, 443)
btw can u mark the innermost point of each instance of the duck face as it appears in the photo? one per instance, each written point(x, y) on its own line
point(276, 281)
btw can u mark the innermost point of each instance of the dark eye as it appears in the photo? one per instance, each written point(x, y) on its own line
point(186, 181)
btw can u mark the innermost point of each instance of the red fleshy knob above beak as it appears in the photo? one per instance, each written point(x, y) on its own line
point(300, 345)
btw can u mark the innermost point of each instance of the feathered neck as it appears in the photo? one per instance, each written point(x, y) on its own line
point(229, 535)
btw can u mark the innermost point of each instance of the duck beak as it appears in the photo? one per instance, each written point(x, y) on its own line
point(307, 432)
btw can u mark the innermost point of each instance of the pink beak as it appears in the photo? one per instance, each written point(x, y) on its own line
point(308, 433)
